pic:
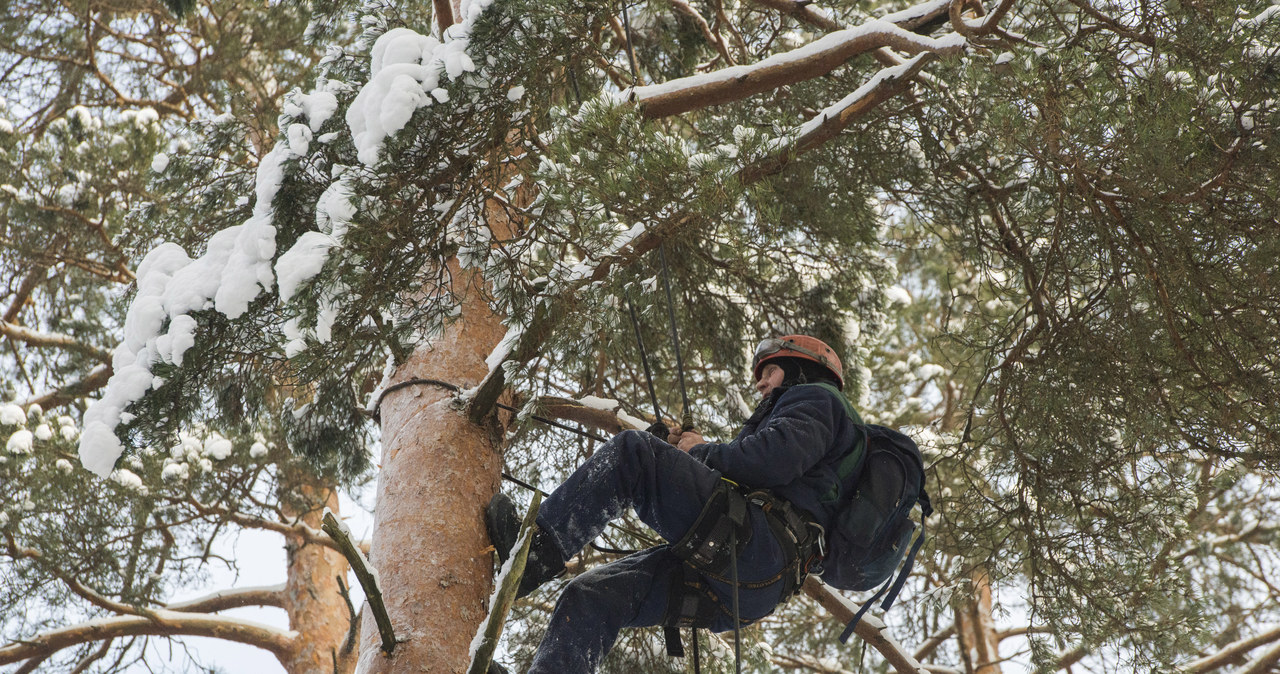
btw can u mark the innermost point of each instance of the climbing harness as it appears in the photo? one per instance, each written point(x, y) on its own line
point(711, 547)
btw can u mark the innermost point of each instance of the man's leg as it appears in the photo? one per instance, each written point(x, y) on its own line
point(666, 487)
point(594, 607)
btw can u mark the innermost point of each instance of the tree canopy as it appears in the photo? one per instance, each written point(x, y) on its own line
point(1041, 234)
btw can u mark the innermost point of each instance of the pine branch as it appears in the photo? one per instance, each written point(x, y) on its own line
point(486, 639)
point(805, 63)
point(367, 576)
point(884, 85)
point(870, 629)
point(161, 623)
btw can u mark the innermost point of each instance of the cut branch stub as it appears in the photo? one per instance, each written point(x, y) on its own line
point(366, 575)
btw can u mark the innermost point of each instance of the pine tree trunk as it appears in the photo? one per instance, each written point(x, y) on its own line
point(317, 610)
point(437, 473)
point(976, 629)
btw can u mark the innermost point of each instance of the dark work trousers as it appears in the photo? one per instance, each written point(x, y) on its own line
point(667, 488)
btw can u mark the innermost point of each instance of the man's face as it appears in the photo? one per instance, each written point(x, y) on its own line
point(770, 378)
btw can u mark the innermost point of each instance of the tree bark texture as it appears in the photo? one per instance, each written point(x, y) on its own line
point(437, 472)
point(313, 599)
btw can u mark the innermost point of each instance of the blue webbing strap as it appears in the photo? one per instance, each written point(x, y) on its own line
point(893, 594)
point(857, 617)
point(906, 569)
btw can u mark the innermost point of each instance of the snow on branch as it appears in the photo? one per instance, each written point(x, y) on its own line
point(1233, 652)
point(159, 623)
point(159, 327)
point(836, 117)
point(600, 413)
point(812, 60)
point(222, 600)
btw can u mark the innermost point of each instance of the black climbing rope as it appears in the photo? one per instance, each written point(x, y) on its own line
point(644, 360)
point(686, 421)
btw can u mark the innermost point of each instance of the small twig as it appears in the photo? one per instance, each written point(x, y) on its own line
point(353, 627)
point(365, 574)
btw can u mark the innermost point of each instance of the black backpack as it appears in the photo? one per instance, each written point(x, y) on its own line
point(880, 482)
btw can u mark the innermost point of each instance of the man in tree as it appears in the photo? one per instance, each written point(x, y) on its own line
point(751, 509)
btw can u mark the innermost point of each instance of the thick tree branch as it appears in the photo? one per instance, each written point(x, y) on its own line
point(812, 60)
point(1232, 651)
point(162, 623)
point(265, 595)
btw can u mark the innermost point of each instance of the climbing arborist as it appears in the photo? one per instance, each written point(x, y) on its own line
point(751, 509)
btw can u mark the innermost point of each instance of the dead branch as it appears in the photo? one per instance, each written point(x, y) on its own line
point(96, 379)
point(265, 595)
point(365, 574)
point(611, 420)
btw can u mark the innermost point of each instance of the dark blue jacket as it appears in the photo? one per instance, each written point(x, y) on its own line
point(790, 446)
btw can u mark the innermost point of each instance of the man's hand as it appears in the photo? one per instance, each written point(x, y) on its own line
point(686, 440)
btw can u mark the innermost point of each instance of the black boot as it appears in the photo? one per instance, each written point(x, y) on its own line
point(544, 562)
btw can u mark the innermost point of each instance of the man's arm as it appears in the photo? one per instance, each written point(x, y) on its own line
point(797, 436)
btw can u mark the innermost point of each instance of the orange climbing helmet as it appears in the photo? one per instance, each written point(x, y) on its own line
point(803, 347)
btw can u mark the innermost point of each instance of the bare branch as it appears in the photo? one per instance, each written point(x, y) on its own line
point(932, 643)
point(51, 339)
point(711, 36)
point(162, 623)
point(264, 595)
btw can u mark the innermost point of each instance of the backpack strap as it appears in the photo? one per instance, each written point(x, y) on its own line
point(894, 583)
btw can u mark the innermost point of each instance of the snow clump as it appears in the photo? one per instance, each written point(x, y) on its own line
point(898, 295)
point(235, 269)
point(129, 480)
point(12, 415)
point(20, 442)
point(406, 74)
point(217, 446)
